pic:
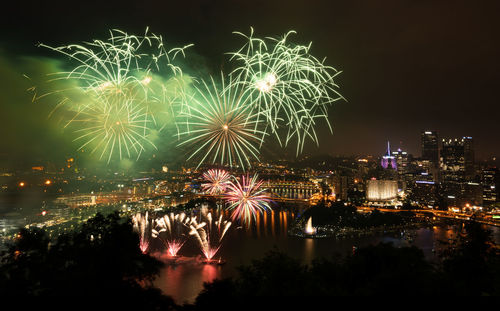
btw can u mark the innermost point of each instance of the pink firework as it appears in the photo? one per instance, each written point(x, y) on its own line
point(173, 246)
point(246, 199)
point(209, 233)
point(173, 225)
point(142, 225)
point(218, 181)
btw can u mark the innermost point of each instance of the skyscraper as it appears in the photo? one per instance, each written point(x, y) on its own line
point(402, 163)
point(458, 159)
point(430, 147)
point(388, 160)
point(470, 172)
point(430, 154)
point(453, 160)
point(489, 182)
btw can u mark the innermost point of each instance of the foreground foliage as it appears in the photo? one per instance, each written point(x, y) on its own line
point(102, 259)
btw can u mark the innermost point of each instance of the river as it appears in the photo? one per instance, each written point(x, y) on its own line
point(241, 245)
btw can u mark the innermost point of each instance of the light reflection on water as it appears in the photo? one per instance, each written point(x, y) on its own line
point(184, 281)
point(269, 232)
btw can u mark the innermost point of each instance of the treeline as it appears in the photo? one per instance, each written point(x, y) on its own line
point(99, 260)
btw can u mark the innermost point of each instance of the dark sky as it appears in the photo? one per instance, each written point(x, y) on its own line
point(407, 66)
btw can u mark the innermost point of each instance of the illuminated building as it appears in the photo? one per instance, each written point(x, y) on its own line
point(457, 169)
point(388, 160)
point(381, 190)
point(340, 187)
point(363, 166)
point(458, 159)
point(461, 194)
point(76, 200)
point(430, 147)
point(429, 161)
point(490, 185)
point(453, 160)
point(402, 159)
point(424, 192)
point(472, 193)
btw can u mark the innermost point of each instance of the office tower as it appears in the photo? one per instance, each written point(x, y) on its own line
point(470, 172)
point(402, 162)
point(424, 192)
point(458, 159)
point(430, 147)
point(453, 160)
point(489, 182)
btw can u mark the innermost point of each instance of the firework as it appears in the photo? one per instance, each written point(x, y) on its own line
point(288, 87)
point(208, 233)
point(246, 199)
point(217, 181)
point(142, 225)
point(173, 225)
point(113, 93)
point(120, 127)
point(219, 125)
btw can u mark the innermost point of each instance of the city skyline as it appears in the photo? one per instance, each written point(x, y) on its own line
point(387, 150)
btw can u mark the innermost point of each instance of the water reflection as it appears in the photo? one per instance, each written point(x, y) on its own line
point(209, 273)
point(257, 224)
point(273, 230)
point(184, 281)
point(269, 232)
point(308, 250)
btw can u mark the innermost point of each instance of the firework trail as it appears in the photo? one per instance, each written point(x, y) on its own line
point(209, 233)
point(174, 226)
point(288, 87)
point(118, 94)
point(217, 181)
point(246, 199)
point(143, 226)
point(113, 93)
point(219, 126)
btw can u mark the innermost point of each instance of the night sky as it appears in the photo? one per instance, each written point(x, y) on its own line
point(407, 66)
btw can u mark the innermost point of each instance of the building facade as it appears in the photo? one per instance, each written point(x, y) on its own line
point(430, 147)
point(489, 181)
point(381, 190)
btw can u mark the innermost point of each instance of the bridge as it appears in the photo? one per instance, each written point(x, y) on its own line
point(290, 191)
point(487, 220)
point(287, 192)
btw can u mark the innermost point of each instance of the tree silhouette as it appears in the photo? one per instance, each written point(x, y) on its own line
point(100, 259)
point(471, 263)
